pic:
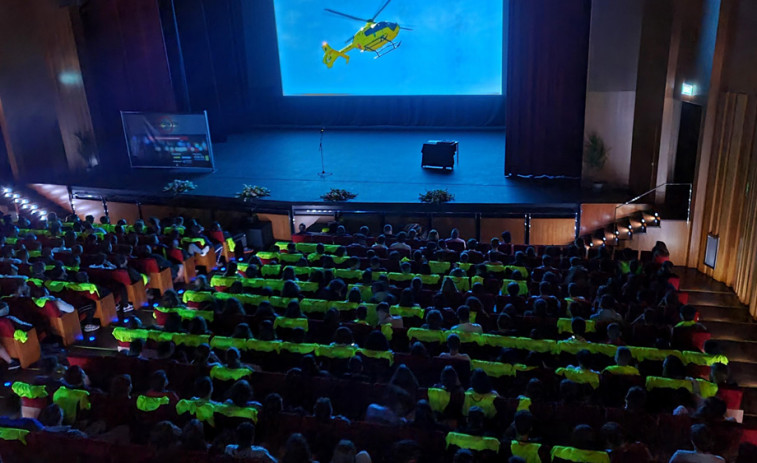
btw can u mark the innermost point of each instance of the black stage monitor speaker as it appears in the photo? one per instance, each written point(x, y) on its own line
point(439, 154)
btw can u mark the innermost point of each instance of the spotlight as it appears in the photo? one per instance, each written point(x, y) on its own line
point(7, 190)
point(91, 339)
point(7, 384)
point(24, 201)
point(33, 207)
point(155, 304)
point(16, 195)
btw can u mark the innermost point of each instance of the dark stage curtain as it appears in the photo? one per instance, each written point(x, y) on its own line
point(546, 86)
point(123, 61)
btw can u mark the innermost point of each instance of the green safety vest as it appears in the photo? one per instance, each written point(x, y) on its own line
point(232, 411)
point(485, 401)
point(126, 335)
point(565, 325)
point(191, 340)
point(477, 443)
point(70, 401)
point(527, 450)
point(439, 267)
point(438, 399)
point(706, 388)
point(222, 373)
point(185, 313)
point(150, 404)
point(336, 352)
point(580, 375)
point(29, 391)
point(231, 244)
point(20, 336)
point(263, 346)
point(579, 455)
point(302, 348)
point(408, 312)
point(291, 323)
point(686, 324)
point(622, 370)
point(524, 403)
point(497, 369)
point(201, 409)
point(11, 434)
point(226, 343)
point(522, 286)
point(197, 296)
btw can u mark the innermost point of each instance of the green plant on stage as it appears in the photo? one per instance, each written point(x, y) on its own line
point(595, 151)
point(436, 197)
point(253, 192)
point(338, 194)
point(177, 187)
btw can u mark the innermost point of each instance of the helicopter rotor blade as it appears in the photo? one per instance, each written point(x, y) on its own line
point(347, 15)
point(380, 10)
point(406, 28)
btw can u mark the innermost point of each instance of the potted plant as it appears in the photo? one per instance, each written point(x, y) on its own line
point(253, 192)
point(177, 187)
point(436, 197)
point(595, 156)
point(338, 194)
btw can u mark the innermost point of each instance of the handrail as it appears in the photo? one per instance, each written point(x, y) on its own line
point(688, 206)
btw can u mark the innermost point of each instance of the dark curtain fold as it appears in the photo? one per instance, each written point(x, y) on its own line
point(546, 86)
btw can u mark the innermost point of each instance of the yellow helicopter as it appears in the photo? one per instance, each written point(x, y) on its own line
point(377, 37)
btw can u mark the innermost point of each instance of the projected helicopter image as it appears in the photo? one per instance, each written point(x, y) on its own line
point(377, 37)
point(448, 47)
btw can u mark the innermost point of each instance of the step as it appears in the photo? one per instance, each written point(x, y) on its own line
point(739, 351)
point(720, 299)
point(732, 331)
point(745, 375)
point(693, 280)
point(722, 314)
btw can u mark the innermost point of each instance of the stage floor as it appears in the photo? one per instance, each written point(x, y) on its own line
point(380, 166)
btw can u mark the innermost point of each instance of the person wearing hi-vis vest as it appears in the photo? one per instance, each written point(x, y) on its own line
point(581, 449)
point(480, 394)
point(623, 359)
point(521, 443)
point(158, 396)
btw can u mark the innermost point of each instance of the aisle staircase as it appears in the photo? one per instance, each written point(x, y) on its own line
point(731, 325)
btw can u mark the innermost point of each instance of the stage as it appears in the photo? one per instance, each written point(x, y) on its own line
point(381, 166)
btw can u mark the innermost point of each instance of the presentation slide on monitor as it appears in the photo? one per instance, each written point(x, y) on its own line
point(178, 141)
point(395, 47)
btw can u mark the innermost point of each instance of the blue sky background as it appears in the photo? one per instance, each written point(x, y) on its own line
point(455, 48)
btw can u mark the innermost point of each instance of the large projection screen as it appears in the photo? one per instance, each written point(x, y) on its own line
point(168, 140)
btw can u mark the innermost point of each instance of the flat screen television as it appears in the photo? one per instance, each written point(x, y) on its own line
point(168, 140)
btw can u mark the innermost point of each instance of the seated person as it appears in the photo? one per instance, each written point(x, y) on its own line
point(453, 349)
point(465, 325)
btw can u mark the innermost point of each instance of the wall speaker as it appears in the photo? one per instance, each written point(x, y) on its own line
point(711, 252)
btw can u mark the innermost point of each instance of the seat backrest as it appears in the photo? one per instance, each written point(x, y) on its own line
point(146, 265)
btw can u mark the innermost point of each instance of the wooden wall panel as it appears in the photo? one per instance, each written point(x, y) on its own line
point(493, 228)
point(552, 231)
point(280, 225)
point(444, 225)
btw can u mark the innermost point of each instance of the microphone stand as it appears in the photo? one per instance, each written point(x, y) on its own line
point(322, 173)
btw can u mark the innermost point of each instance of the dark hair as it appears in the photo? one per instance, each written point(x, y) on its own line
point(296, 450)
point(240, 393)
point(480, 382)
point(701, 437)
point(523, 422)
